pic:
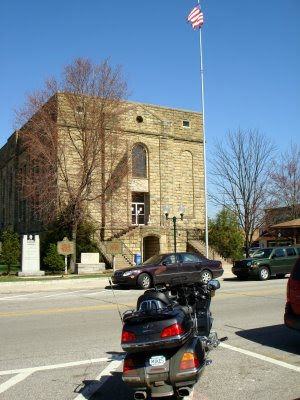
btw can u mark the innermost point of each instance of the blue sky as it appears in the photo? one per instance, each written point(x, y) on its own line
point(251, 57)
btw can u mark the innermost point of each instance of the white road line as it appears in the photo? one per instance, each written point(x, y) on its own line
point(29, 295)
point(261, 357)
point(89, 390)
point(14, 380)
point(65, 293)
point(56, 366)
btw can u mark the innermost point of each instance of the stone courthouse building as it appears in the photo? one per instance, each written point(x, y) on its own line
point(165, 167)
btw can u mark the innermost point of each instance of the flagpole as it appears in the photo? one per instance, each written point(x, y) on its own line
point(204, 142)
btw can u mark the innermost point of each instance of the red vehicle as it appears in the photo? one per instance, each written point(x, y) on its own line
point(292, 308)
point(169, 268)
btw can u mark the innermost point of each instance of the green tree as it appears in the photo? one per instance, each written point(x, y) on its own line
point(53, 260)
point(85, 242)
point(225, 235)
point(60, 229)
point(10, 249)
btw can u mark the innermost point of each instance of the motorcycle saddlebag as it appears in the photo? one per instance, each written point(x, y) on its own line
point(148, 331)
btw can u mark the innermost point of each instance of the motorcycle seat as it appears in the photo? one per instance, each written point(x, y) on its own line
point(158, 296)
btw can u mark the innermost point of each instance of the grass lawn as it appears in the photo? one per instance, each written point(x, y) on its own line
point(14, 269)
point(14, 278)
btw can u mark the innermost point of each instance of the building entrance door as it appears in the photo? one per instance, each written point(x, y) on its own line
point(151, 247)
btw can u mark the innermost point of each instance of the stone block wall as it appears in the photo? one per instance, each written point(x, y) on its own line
point(175, 169)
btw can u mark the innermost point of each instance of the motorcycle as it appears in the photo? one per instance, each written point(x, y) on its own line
point(167, 340)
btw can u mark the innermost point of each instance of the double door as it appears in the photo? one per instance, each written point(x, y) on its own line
point(138, 213)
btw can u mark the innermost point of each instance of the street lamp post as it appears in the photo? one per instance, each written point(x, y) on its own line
point(174, 219)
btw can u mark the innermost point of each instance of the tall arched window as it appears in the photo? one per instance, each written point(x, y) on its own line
point(139, 161)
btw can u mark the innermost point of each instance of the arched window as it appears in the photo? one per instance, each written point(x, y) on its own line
point(139, 161)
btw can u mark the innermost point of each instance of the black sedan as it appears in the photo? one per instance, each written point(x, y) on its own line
point(169, 269)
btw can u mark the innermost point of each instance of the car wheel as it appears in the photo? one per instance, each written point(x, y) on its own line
point(263, 273)
point(205, 276)
point(280, 276)
point(144, 281)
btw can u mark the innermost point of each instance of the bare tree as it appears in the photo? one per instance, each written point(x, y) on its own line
point(285, 181)
point(70, 125)
point(239, 175)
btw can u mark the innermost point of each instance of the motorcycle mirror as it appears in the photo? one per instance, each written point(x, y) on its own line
point(213, 284)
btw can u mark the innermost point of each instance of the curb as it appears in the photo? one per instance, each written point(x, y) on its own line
point(27, 286)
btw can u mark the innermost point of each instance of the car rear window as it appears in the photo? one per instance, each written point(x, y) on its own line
point(295, 275)
point(298, 250)
point(290, 251)
point(262, 253)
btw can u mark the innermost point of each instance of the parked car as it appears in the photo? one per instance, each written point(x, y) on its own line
point(292, 308)
point(170, 268)
point(265, 262)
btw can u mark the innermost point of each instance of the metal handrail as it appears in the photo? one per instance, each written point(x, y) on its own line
point(126, 252)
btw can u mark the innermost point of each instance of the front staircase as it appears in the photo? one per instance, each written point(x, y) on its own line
point(129, 240)
point(199, 246)
point(131, 244)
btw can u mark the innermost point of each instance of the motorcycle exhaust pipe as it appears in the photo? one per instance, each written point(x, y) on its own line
point(184, 391)
point(140, 396)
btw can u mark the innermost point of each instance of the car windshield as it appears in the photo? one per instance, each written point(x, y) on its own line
point(262, 253)
point(153, 260)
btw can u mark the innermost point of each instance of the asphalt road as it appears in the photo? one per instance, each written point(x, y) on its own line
point(64, 344)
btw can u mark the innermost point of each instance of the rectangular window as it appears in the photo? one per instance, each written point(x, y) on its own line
point(186, 123)
point(138, 209)
point(279, 253)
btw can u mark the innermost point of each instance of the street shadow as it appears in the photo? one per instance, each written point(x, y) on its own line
point(235, 279)
point(110, 386)
point(277, 336)
point(117, 287)
point(123, 287)
point(107, 388)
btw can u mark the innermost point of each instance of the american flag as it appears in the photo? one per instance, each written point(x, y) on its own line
point(195, 17)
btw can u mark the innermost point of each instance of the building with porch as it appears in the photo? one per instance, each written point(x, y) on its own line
point(163, 169)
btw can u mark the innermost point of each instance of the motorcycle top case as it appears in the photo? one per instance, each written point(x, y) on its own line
point(148, 331)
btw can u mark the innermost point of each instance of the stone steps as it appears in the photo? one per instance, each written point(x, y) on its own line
point(200, 247)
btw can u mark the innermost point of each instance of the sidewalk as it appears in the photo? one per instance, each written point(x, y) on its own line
point(48, 284)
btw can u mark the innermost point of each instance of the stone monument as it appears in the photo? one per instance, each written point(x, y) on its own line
point(31, 256)
point(89, 264)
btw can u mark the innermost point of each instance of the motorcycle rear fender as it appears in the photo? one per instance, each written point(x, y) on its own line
point(171, 375)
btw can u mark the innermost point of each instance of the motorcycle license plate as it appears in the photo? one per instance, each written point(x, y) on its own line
point(156, 361)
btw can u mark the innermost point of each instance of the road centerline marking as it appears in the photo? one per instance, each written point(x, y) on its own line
point(63, 310)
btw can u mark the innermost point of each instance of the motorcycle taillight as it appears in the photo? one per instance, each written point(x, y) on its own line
point(189, 361)
point(172, 330)
point(128, 336)
point(128, 366)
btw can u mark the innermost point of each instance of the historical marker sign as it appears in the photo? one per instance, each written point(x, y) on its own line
point(65, 247)
point(114, 247)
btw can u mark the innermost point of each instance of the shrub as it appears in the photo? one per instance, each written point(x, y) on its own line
point(53, 261)
point(10, 249)
point(56, 231)
point(225, 235)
